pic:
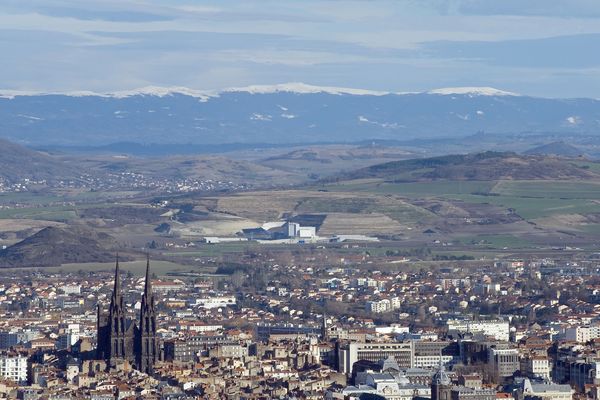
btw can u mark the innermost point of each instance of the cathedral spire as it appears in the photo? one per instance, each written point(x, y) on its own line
point(117, 287)
point(148, 346)
point(148, 286)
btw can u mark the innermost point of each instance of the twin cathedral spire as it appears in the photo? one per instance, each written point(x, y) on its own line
point(120, 338)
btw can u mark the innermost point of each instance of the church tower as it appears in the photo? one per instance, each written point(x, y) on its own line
point(115, 330)
point(147, 347)
point(122, 339)
point(324, 328)
point(121, 332)
point(441, 385)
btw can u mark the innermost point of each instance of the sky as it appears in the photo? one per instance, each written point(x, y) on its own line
point(548, 48)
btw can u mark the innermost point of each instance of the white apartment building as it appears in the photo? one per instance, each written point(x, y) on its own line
point(538, 366)
point(499, 329)
point(13, 367)
point(216, 301)
point(384, 305)
point(160, 286)
point(71, 289)
point(378, 307)
point(582, 334)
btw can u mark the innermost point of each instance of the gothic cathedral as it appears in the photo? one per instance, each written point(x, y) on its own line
point(120, 338)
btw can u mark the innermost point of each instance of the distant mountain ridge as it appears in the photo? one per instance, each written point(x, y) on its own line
point(283, 114)
point(292, 87)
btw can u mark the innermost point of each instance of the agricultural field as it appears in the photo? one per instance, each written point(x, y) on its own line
point(360, 224)
point(528, 199)
point(272, 205)
point(534, 207)
point(414, 189)
point(549, 189)
point(498, 241)
point(49, 213)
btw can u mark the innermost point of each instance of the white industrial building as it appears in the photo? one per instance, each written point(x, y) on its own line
point(295, 230)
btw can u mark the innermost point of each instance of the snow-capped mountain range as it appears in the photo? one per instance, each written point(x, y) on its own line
point(284, 113)
point(292, 87)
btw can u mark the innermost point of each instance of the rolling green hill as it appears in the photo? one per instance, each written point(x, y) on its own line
point(485, 166)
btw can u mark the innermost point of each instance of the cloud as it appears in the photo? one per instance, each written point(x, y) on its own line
point(576, 51)
point(100, 15)
point(563, 9)
point(402, 45)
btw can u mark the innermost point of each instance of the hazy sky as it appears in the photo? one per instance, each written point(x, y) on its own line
point(537, 47)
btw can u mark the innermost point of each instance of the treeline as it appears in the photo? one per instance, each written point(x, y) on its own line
point(420, 252)
point(424, 253)
point(444, 257)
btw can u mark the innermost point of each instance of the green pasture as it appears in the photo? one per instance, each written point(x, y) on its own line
point(416, 189)
point(531, 208)
point(499, 241)
point(529, 199)
point(53, 213)
point(549, 189)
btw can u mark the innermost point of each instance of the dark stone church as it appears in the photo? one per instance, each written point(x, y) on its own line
point(120, 338)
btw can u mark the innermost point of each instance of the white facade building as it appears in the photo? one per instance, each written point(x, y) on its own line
point(295, 230)
point(384, 305)
point(433, 361)
point(582, 334)
point(403, 353)
point(13, 367)
point(538, 367)
point(503, 362)
point(216, 301)
point(71, 289)
point(499, 329)
point(378, 307)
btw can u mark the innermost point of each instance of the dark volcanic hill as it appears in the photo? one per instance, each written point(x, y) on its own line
point(477, 167)
point(18, 162)
point(556, 149)
point(55, 246)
